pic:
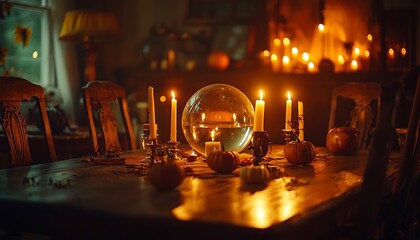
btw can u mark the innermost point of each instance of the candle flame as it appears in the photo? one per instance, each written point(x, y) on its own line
point(173, 95)
point(212, 135)
point(305, 56)
point(288, 95)
point(261, 94)
point(321, 27)
point(286, 41)
point(274, 57)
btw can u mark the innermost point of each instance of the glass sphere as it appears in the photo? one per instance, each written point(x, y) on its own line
point(218, 113)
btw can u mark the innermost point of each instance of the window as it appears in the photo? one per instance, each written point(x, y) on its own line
point(31, 61)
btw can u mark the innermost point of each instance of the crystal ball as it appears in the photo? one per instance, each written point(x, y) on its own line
point(218, 113)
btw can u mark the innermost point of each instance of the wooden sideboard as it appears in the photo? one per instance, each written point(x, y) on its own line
point(314, 89)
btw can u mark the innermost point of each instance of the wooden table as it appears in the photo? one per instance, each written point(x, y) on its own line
point(76, 199)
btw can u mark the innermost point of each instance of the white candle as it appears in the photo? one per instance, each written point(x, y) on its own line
point(173, 118)
point(259, 114)
point(152, 122)
point(211, 146)
point(288, 112)
point(300, 116)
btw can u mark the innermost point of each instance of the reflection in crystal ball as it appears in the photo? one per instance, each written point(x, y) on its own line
point(219, 113)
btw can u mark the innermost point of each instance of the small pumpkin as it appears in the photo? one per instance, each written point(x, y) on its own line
point(166, 175)
point(343, 140)
point(254, 174)
point(223, 161)
point(299, 152)
point(218, 60)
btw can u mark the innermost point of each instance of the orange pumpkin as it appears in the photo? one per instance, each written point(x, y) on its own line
point(223, 161)
point(299, 152)
point(166, 175)
point(254, 174)
point(218, 60)
point(343, 140)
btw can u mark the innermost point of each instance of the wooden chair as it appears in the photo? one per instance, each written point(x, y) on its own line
point(12, 92)
point(362, 115)
point(375, 206)
point(101, 94)
point(403, 209)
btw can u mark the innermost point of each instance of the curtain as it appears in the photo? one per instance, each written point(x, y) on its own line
point(66, 63)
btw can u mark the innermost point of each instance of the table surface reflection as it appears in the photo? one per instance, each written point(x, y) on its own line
point(75, 198)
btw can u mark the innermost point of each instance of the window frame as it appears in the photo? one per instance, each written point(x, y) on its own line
point(47, 63)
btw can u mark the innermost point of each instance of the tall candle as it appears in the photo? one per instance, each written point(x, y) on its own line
point(173, 118)
point(152, 122)
point(288, 112)
point(259, 114)
point(300, 116)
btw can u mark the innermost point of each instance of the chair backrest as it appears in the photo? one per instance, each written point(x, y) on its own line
point(12, 92)
point(404, 198)
point(361, 116)
point(373, 186)
point(100, 94)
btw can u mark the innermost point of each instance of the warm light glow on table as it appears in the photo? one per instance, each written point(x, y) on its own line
point(288, 112)
point(259, 114)
point(173, 118)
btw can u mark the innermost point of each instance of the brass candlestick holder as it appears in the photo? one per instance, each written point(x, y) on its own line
point(260, 145)
point(173, 151)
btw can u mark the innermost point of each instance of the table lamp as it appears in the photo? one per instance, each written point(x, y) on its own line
point(89, 27)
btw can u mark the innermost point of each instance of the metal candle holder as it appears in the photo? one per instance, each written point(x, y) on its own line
point(173, 151)
point(260, 144)
point(153, 146)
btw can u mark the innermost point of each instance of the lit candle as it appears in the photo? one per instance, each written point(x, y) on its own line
point(354, 65)
point(300, 116)
point(288, 112)
point(173, 118)
point(311, 67)
point(171, 59)
point(152, 126)
point(275, 63)
point(286, 44)
point(211, 146)
point(259, 114)
point(192, 157)
point(286, 63)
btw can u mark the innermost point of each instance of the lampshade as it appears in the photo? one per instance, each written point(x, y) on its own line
point(85, 25)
